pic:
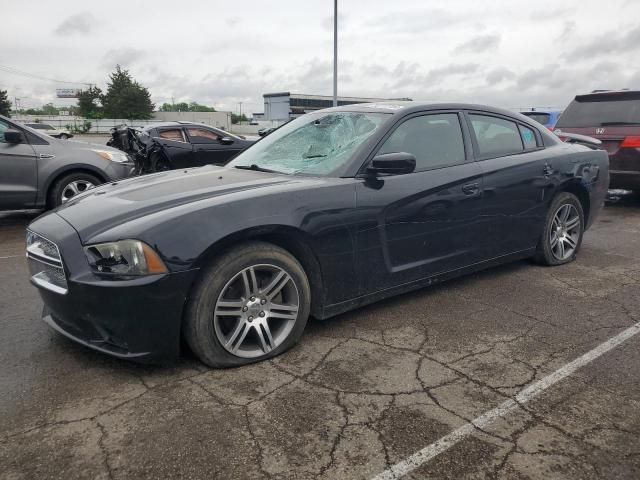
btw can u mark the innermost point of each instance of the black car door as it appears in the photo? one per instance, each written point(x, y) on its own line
point(209, 146)
point(18, 171)
point(425, 222)
point(180, 152)
point(516, 176)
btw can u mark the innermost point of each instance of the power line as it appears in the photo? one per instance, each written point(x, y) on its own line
point(15, 71)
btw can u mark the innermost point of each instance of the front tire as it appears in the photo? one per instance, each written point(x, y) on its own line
point(563, 230)
point(250, 304)
point(69, 186)
point(64, 136)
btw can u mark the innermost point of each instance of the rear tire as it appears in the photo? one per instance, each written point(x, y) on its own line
point(250, 304)
point(64, 136)
point(563, 231)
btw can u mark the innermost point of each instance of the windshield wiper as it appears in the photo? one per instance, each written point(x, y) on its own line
point(256, 168)
point(608, 124)
point(313, 156)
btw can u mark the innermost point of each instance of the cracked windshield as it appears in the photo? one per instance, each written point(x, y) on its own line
point(316, 144)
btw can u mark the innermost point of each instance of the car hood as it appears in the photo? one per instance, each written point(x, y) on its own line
point(178, 191)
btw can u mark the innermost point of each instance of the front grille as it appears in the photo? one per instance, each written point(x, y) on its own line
point(45, 263)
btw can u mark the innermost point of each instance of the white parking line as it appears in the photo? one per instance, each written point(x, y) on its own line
point(11, 256)
point(426, 454)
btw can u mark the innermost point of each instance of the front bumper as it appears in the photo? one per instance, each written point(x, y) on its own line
point(137, 319)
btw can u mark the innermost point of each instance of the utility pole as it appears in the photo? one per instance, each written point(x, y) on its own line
point(335, 53)
point(240, 119)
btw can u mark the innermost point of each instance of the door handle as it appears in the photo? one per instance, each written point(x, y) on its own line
point(548, 170)
point(471, 188)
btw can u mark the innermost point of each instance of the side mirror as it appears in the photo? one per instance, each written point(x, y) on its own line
point(13, 136)
point(396, 163)
point(226, 140)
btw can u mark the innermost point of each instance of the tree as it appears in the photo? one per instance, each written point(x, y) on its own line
point(49, 109)
point(185, 107)
point(5, 104)
point(89, 103)
point(126, 98)
point(235, 118)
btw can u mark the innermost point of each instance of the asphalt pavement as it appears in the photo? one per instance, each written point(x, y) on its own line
point(518, 372)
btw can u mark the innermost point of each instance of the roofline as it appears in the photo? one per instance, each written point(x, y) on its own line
point(330, 97)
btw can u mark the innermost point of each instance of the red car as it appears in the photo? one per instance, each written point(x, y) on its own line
point(612, 117)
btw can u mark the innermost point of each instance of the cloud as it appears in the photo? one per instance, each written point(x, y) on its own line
point(81, 23)
point(568, 29)
point(612, 42)
point(479, 44)
point(498, 75)
point(125, 57)
point(420, 21)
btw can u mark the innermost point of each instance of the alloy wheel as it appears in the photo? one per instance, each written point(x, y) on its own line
point(256, 311)
point(74, 188)
point(565, 232)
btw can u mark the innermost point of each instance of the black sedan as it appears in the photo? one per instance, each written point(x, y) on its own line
point(181, 144)
point(335, 210)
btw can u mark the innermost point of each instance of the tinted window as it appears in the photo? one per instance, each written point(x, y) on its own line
point(173, 134)
point(201, 135)
point(528, 138)
point(602, 109)
point(435, 140)
point(496, 136)
point(40, 126)
point(3, 127)
point(542, 118)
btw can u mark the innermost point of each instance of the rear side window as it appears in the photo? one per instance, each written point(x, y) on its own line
point(542, 118)
point(3, 128)
point(174, 134)
point(528, 138)
point(496, 136)
point(597, 110)
point(435, 140)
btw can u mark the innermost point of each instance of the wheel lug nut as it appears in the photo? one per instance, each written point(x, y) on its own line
point(250, 318)
point(262, 314)
point(244, 309)
point(253, 298)
point(263, 301)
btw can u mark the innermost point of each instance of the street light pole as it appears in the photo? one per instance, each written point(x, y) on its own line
point(335, 53)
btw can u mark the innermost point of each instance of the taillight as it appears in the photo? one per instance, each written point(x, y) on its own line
point(631, 142)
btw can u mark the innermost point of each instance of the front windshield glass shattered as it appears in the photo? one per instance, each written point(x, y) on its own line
point(314, 144)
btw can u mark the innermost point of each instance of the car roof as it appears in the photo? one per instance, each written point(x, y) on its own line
point(178, 123)
point(405, 107)
point(632, 94)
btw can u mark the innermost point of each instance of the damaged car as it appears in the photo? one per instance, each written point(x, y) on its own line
point(335, 210)
point(173, 145)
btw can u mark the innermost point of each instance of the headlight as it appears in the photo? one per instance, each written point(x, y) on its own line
point(113, 156)
point(126, 257)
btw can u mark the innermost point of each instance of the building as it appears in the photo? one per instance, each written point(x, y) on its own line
point(284, 106)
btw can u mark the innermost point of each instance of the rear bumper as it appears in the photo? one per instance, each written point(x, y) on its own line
point(624, 179)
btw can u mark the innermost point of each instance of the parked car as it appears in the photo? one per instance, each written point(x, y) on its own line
point(38, 171)
point(545, 117)
point(337, 209)
point(614, 118)
point(263, 132)
point(61, 133)
point(183, 144)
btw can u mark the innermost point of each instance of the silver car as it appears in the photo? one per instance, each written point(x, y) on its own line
point(38, 171)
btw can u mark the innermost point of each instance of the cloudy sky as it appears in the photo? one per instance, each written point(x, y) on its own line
point(504, 52)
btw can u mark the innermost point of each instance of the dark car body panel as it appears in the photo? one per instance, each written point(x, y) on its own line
point(194, 153)
point(369, 238)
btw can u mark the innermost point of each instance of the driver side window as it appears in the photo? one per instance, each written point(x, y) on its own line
point(435, 140)
point(3, 128)
point(201, 135)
